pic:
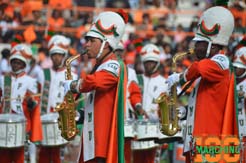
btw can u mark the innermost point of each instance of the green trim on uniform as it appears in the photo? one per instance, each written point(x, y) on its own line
point(7, 93)
point(120, 113)
point(45, 93)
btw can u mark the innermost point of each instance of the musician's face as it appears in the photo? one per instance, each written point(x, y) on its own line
point(57, 59)
point(201, 49)
point(93, 46)
point(17, 65)
point(149, 67)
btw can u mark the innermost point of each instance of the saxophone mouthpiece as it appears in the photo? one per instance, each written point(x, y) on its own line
point(83, 52)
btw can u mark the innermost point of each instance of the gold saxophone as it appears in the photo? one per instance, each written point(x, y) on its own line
point(66, 109)
point(168, 103)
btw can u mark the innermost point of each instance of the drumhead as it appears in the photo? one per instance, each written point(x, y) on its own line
point(50, 117)
point(12, 118)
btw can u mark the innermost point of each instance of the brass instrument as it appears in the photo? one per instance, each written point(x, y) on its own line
point(66, 109)
point(168, 103)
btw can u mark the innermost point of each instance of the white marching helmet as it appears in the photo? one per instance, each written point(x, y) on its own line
point(22, 52)
point(58, 44)
point(240, 58)
point(150, 52)
point(109, 27)
point(215, 26)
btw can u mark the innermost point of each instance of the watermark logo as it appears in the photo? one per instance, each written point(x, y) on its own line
point(215, 149)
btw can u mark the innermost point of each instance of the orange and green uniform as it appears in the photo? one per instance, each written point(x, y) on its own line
point(211, 108)
point(103, 115)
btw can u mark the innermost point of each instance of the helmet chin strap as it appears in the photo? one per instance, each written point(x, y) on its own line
point(156, 67)
point(208, 49)
point(241, 76)
point(19, 71)
point(101, 48)
point(63, 61)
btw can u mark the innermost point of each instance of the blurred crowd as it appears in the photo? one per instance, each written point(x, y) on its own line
point(155, 21)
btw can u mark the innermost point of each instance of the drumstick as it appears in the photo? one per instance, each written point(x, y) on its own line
point(34, 95)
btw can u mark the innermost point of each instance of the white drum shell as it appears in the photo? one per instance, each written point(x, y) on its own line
point(147, 130)
point(143, 145)
point(129, 129)
point(51, 132)
point(168, 139)
point(12, 130)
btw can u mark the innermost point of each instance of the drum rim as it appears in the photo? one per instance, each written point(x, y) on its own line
point(47, 121)
point(20, 120)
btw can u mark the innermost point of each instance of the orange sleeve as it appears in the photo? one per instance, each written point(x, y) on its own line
point(100, 80)
point(34, 124)
point(135, 94)
point(207, 69)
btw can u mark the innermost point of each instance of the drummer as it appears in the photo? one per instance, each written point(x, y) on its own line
point(19, 92)
point(153, 86)
point(53, 91)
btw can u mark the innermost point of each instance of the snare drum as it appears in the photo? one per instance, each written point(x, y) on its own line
point(129, 129)
point(143, 145)
point(51, 132)
point(147, 130)
point(12, 130)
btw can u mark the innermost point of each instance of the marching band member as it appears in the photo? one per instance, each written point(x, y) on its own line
point(210, 105)
point(239, 63)
point(19, 92)
point(104, 110)
point(53, 91)
point(153, 86)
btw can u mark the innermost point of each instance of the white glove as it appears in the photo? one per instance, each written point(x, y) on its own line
point(172, 79)
point(67, 85)
point(181, 112)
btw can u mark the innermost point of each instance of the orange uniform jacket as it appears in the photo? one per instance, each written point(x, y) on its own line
point(211, 97)
point(105, 84)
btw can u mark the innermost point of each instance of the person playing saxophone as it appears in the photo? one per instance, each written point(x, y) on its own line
point(103, 135)
point(209, 102)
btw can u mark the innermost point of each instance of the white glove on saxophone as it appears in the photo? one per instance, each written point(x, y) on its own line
point(172, 79)
point(181, 112)
point(67, 85)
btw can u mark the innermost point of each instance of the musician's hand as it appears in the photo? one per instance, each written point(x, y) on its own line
point(31, 104)
point(181, 112)
point(172, 79)
point(67, 85)
point(141, 111)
